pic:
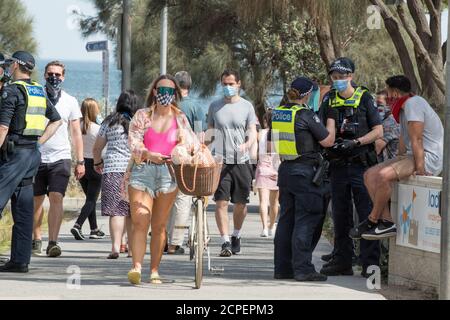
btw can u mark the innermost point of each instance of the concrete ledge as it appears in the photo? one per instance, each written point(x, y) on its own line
point(410, 267)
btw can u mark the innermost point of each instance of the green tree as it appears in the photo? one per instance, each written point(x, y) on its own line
point(145, 40)
point(407, 21)
point(269, 50)
point(269, 41)
point(341, 30)
point(16, 28)
point(208, 36)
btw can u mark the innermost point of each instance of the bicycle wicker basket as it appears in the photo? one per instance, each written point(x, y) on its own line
point(196, 180)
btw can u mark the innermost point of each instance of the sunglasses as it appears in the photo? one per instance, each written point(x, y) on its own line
point(166, 90)
point(51, 74)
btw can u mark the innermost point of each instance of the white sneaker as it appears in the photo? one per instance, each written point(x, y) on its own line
point(264, 233)
point(272, 231)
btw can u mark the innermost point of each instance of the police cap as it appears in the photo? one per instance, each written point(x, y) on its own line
point(304, 86)
point(23, 58)
point(342, 65)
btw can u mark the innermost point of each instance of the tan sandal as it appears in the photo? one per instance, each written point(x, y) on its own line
point(134, 276)
point(155, 278)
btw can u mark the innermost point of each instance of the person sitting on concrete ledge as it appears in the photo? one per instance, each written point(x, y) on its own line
point(420, 154)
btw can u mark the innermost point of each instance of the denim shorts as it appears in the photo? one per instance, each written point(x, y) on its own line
point(152, 178)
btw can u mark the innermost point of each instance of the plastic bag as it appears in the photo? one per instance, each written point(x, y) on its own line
point(188, 155)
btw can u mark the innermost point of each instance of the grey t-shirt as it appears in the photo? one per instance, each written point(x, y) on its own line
point(231, 122)
point(418, 109)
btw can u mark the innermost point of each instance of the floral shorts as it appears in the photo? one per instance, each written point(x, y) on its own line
point(152, 178)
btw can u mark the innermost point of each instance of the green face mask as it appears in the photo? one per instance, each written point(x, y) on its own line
point(166, 91)
point(314, 100)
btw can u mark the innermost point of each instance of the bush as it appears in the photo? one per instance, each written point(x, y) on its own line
point(6, 224)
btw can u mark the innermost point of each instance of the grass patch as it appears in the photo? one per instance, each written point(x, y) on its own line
point(6, 224)
point(74, 189)
point(5, 232)
point(327, 230)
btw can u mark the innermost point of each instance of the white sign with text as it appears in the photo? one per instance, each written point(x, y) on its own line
point(419, 221)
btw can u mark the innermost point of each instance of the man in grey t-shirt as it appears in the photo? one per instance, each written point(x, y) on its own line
point(420, 153)
point(417, 109)
point(232, 121)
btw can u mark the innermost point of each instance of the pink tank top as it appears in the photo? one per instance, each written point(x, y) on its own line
point(163, 142)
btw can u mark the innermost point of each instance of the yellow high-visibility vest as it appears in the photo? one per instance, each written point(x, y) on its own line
point(337, 102)
point(35, 120)
point(283, 130)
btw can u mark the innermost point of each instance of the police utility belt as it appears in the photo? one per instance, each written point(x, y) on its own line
point(13, 142)
point(366, 157)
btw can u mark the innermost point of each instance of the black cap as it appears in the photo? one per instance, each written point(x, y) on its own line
point(342, 65)
point(23, 58)
point(304, 86)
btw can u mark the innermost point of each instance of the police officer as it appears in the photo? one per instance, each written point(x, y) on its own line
point(357, 127)
point(2, 71)
point(2, 81)
point(23, 112)
point(298, 135)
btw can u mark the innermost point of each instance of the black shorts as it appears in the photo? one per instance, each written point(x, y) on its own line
point(52, 177)
point(235, 183)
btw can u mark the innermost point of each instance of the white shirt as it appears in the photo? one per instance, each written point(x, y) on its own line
point(89, 140)
point(58, 146)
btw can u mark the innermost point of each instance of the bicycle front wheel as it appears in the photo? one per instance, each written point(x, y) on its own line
point(199, 244)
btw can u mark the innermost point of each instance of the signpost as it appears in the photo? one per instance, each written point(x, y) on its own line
point(125, 46)
point(444, 290)
point(102, 46)
point(163, 50)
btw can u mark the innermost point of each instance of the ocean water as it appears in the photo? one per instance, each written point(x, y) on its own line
point(85, 80)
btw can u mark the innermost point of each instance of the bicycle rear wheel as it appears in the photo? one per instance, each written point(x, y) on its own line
point(199, 244)
point(192, 233)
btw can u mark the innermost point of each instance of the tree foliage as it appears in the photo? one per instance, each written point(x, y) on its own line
point(16, 28)
point(418, 22)
point(269, 41)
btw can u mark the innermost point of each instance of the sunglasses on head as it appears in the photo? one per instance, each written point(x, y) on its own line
point(51, 74)
point(166, 90)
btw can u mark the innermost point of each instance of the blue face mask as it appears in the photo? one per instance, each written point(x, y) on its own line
point(314, 100)
point(99, 119)
point(229, 91)
point(340, 85)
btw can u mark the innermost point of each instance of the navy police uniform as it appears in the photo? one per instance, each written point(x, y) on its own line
point(357, 116)
point(20, 157)
point(296, 130)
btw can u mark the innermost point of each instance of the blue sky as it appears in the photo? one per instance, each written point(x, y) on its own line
point(56, 30)
point(59, 38)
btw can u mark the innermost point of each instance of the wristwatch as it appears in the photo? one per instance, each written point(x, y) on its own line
point(80, 163)
point(358, 142)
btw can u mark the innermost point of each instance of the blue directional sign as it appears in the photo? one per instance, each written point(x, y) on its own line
point(97, 46)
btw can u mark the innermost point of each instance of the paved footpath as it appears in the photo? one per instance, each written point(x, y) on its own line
point(248, 276)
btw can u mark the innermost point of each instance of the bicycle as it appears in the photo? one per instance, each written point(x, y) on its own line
point(204, 183)
point(198, 238)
